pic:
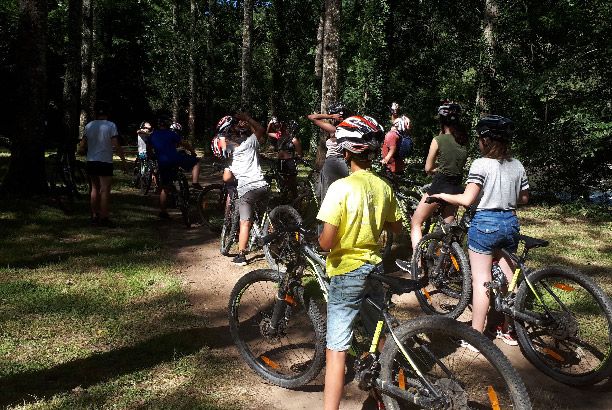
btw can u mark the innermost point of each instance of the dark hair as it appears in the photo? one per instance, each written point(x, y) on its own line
point(101, 107)
point(459, 132)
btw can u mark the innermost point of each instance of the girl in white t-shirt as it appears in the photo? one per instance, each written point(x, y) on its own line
point(496, 184)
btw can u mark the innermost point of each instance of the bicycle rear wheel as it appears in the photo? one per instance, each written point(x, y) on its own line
point(573, 342)
point(296, 354)
point(307, 207)
point(62, 191)
point(449, 291)
point(465, 379)
point(229, 230)
point(279, 252)
point(211, 206)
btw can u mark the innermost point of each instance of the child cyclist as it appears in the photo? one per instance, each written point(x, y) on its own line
point(355, 211)
point(496, 184)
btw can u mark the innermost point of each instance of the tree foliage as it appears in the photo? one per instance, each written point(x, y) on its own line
point(544, 65)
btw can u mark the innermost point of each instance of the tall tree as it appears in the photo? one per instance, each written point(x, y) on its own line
point(87, 33)
point(72, 79)
point(487, 70)
point(26, 173)
point(192, 72)
point(331, 53)
point(247, 50)
point(175, 62)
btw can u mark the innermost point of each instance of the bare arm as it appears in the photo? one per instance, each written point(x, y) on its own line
point(430, 162)
point(119, 152)
point(298, 147)
point(187, 146)
point(464, 199)
point(317, 119)
point(326, 239)
point(523, 197)
point(393, 227)
point(227, 175)
point(256, 127)
point(389, 155)
point(83, 144)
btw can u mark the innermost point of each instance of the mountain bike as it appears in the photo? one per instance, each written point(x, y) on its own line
point(143, 174)
point(264, 221)
point(179, 196)
point(308, 201)
point(444, 269)
point(563, 319)
point(212, 202)
point(67, 177)
point(277, 326)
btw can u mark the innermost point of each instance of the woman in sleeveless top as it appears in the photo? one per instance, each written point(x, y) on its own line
point(288, 146)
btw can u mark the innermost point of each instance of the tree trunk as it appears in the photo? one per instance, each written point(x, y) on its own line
point(247, 48)
point(488, 65)
point(331, 53)
point(192, 74)
point(210, 63)
point(318, 71)
point(72, 79)
point(26, 172)
point(86, 64)
point(175, 63)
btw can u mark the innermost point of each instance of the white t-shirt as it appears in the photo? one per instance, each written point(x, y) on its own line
point(245, 166)
point(333, 149)
point(142, 144)
point(500, 183)
point(99, 144)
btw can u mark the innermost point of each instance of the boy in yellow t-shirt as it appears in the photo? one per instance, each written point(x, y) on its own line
point(355, 211)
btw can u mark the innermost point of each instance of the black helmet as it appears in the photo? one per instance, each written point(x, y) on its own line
point(337, 108)
point(360, 135)
point(449, 113)
point(495, 127)
point(165, 121)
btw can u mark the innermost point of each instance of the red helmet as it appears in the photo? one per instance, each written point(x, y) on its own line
point(225, 123)
point(215, 147)
point(176, 127)
point(360, 135)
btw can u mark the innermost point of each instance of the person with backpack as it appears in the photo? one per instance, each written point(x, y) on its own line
point(397, 145)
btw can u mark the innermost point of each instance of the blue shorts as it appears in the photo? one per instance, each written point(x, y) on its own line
point(490, 230)
point(166, 170)
point(346, 294)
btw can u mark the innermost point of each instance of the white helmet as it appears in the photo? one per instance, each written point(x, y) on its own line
point(402, 124)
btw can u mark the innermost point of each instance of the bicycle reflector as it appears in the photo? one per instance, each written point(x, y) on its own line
point(564, 287)
point(493, 398)
point(269, 362)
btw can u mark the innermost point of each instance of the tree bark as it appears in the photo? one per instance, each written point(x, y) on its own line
point(26, 172)
point(72, 79)
point(86, 64)
point(331, 53)
point(175, 63)
point(318, 71)
point(247, 48)
point(210, 63)
point(192, 73)
point(488, 65)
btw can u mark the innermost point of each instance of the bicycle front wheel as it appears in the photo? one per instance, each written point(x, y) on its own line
point(463, 378)
point(81, 180)
point(572, 341)
point(296, 353)
point(448, 291)
point(279, 252)
point(211, 206)
point(307, 207)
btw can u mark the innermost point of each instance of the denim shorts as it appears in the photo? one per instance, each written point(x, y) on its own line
point(490, 230)
point(346, 294)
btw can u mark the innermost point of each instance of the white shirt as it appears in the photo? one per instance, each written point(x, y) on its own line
point(99, 135)
point(245, 166)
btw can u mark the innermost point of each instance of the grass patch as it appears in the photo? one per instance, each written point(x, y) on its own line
point(98, 318)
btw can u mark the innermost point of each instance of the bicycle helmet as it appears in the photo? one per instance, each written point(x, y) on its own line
point(215, 147)
point(449, 113)
point(361, 136)
point(495, 127)
point(225, 123)
point(402, 124)
point(394, 107)
point(337, 108)
point(165, 121)
point(176, 127)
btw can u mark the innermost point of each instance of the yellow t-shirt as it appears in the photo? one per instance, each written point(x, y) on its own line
point(358, 205)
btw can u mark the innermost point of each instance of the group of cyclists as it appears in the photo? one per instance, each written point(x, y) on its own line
point(357, 204)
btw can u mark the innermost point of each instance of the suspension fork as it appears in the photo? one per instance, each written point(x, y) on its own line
point(283, 299)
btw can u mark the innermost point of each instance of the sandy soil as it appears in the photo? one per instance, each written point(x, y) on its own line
point(210, 278)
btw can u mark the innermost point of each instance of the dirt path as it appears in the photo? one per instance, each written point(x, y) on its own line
point(211, 277)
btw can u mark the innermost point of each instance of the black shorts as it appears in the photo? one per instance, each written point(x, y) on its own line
point(445, 184)
point(287, 166)
point(99, 168)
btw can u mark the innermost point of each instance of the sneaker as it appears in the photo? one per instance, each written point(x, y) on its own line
point(106, 223)
point(164, 216)
point(464, 344)
point(508, 338)
point(403, 265)
point(196, 186)
point(239, 260)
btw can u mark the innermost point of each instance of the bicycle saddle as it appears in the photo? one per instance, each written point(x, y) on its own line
point(531, 243)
